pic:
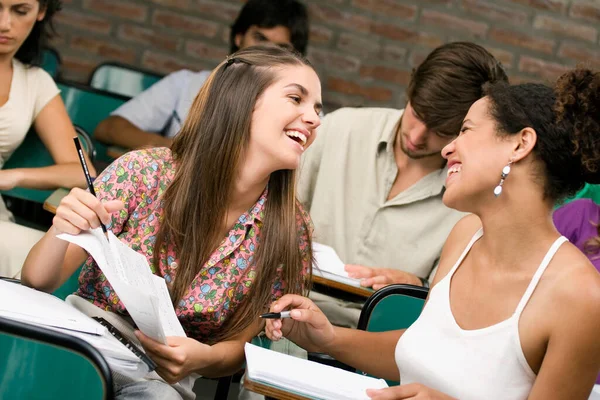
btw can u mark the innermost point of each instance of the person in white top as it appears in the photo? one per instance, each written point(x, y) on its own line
point(155, 116)
point(29, 96)
point(514, 309)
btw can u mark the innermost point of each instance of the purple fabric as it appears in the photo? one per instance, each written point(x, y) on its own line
point(577, 222)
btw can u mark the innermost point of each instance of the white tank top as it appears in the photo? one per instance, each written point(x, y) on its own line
point(485, 363)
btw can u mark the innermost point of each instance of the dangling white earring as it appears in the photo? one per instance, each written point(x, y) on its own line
point(505, 172)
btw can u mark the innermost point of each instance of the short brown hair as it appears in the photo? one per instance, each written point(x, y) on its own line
point(448, 82)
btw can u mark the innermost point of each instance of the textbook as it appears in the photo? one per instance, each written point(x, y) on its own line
point(328, 265)
point(267, 369)
point(33, 307)
point(144, 295)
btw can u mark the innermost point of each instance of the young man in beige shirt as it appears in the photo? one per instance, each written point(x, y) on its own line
point(373, 180)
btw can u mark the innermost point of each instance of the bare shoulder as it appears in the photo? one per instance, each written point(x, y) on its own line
point(457, 241)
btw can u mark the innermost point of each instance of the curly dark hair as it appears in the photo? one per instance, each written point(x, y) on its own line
point(31, 50)
point(566, 119)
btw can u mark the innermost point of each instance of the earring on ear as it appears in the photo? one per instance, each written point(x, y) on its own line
point(505, 172)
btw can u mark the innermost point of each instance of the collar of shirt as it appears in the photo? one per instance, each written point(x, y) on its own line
point(428, 186)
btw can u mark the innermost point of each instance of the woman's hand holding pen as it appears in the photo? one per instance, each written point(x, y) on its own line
point(307, 326)
point(81, 210)
point(177, 359)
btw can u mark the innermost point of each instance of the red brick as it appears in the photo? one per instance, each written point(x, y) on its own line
point(476, 29)
point(103, 48)
point(521, 39)
point(333, 61)
point(197, 26)
point(389, 8)
point(542, 68)
point(320, 34)
point(504, 56)
point(417, 57)
point(76, 68)
point(495, 12)
point(334, 16)
point(121, 8)
point(149, 37)
point(587, 11)
point(566, 28)
point(164, 63)
point(549, 5)
point(379, 72)
point(205, 51)
point(402, 34)
point(393, 53)
point(355, 44)
point(83, 21)
point(181, 4)
point(353, 88)
point(333, 100)
point(580, 53)
point(217, 9)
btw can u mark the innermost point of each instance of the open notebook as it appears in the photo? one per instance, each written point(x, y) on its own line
point(306, 378)
point(329, 265)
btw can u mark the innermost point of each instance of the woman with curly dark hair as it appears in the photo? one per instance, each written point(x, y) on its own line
point(29, 97)
point(514, 309)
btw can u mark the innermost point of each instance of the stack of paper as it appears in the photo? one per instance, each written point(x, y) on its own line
point(305, 377)
point(28, 305)
point(144, 294)
point(328, 265)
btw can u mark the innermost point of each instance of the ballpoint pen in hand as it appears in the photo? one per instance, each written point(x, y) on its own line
point(86, 172)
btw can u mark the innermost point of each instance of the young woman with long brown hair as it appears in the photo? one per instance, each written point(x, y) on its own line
point(216, 216)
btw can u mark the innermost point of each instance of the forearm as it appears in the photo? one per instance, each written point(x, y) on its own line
point(119, 131)
point(226, 359)
point(371, 352)
point(48, 264)
point(66, 175)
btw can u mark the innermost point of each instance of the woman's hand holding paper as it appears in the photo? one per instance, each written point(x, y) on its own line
point(80, 211)
point(308, 327)
point(379, 277)
point(179, 358)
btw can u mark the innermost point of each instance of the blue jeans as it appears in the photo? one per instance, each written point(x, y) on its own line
point(147, 390)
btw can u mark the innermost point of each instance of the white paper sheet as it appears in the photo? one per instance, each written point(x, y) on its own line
point(307, 378)
point(147, 301)
point(329, 265)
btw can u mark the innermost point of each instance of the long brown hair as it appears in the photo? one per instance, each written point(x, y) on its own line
point(208, 153)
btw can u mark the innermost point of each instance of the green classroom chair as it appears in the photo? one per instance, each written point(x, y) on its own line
point(122, 79)
point(33, 154)
point(50, 62)
point(589, 191)
point(87, 107)
point(393, 307)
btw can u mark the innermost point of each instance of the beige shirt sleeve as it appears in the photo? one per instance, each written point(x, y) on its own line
point(45, 90)
point(310, 164)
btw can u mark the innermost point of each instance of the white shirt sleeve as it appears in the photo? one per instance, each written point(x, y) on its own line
point(45, 90)
point(152, 109)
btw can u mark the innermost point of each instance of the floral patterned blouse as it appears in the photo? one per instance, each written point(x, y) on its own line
point(139, 179)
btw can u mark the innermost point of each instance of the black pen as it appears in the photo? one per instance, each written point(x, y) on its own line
point(276, 315)
point(86, 172)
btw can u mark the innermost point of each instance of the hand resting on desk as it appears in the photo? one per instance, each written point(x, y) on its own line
point(410, 391)
point(379, 277)
point(9, 179)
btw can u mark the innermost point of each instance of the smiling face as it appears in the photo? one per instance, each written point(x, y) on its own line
point(475, 160)
point(285, 118)
point(17, 18)
point(416, 140)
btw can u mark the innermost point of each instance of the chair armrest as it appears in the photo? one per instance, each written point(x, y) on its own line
point(326, 359)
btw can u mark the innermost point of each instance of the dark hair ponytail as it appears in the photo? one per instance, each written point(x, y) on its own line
point(578, 107)
point(31, 50)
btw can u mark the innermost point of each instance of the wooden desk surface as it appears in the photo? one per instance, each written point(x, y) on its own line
point(52, 202)
point(270, 391)
point(359, 291)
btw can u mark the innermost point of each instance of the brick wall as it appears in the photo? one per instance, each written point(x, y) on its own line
point(364, 50)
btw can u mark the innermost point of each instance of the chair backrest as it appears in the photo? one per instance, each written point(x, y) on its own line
point(51, 62)
point(122, 79)
point(392, 308)
point(40, 363)
point(32, 153)
point(589, 191)
point(87, 107)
